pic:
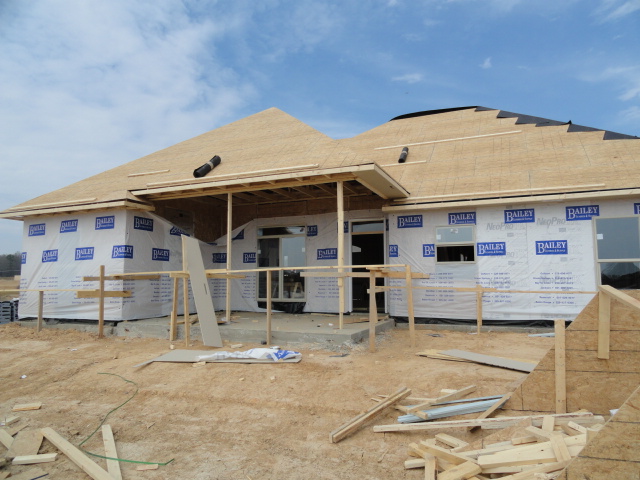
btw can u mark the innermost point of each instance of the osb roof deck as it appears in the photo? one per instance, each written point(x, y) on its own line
point(471, 154)
point(271, 155)
point(456, 157)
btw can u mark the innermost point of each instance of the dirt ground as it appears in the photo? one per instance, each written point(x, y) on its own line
point(238, 421)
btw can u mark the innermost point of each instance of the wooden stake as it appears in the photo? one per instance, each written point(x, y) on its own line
point(479, 307)
point(560, 368)
point(412, 320)
point(187, 323)
point(101, 303)
point(604, 324)
point(340, 198)
point(40, 310)
point(268, 307)
point(173, 329)
point(373, 312)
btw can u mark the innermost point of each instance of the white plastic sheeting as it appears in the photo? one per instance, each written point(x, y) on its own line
point(59, 251)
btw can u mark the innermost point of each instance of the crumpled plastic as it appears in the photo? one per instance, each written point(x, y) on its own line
point(274, 354)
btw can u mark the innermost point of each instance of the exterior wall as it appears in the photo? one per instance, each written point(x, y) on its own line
point(59, 250)
point(514, 263)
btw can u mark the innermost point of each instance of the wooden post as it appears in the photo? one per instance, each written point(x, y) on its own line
point(560, 368)
point(340, 195)
point(187, 320)
point(268, 307)
point(604, 324)
point(101, 304)
point(229, 241)
point(479, 291)
point(40, 310)
point(174, 310)
point(373, 311)
point(412, 320)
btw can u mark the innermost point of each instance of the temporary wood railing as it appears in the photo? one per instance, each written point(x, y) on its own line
point(605, 295)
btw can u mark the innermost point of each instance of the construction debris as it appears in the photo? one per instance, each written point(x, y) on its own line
point(253, 355)
point(491, 360)
point(26, 406)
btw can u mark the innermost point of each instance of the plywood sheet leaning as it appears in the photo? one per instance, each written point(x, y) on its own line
point(593, 384)
point(201, 293)
point(614, 452)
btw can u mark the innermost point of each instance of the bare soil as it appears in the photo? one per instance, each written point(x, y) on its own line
point(237, 421)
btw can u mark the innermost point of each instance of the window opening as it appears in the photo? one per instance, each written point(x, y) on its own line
point(282, 247)
point(618, 251)
point(455, 244)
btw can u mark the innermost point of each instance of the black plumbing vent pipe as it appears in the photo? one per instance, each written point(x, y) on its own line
point(207, 167)
point(403, 155)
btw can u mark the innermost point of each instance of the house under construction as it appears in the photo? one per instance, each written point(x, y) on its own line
point(537, 212)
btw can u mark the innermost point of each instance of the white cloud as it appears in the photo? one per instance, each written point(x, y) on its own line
point(631, 114)
point(612, 10)
point(627, 79)
point(486, 64)
point(408, 78)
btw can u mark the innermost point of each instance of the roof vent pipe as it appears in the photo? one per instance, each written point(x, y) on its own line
point(403, 155)
point(207, 167)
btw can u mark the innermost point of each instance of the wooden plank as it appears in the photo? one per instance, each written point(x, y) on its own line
point(604, 324)
point(493, 408)
point(560, 448)
point(202, 294)
point(560, 367)
point(530, 472)
point(141, 468)
point(445, 454)
point(33, 459)
point(358, 421)
point(548, 423)
point(113, 466)
point(23, 407)
point(460, 472)
point(479, 309)
point(445, 398)
point(491, 360)
point(229, 258)
point(173, 324)
point(450, 440)
point(429, 467)
point(410, 312)
point(27, 442)
point(101, 295)
point(5, 438)
point(269, 306)
point(105, 294)
point(499, 422)
point(75, 455)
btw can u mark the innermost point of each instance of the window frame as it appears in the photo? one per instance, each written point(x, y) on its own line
point(444, 244)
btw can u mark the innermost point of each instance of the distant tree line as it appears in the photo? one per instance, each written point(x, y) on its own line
point(10, 264)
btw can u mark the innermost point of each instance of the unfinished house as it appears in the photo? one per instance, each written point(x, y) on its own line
point(536, 212)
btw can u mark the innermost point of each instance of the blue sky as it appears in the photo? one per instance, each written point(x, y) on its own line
point(87, 86)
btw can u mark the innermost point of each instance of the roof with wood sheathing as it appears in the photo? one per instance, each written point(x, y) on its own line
point(459, 153)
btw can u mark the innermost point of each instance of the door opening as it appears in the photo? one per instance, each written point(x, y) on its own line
point(367, 248)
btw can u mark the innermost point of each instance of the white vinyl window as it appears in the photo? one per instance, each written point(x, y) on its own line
point(618, 251)
point(282, 247)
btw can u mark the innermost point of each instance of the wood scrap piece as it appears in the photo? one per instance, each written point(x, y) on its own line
point(545, 468)
point(10, 420)
point(31, 474)
point(358, 421)
point(31, 459)
point(23, 407)
point(5, 438)
point(436, 354)
point(4, 475)
point(445, 454)
point(456, 394)
point(14, 430)
point(75, 455)
point(560, 367)
point(113, 466)
point(153, 466)
point(491, 360)
point(430, 467)
point(548, 423)
point(495, 407)
point(27, 442)
point(460, 472)
point(451, 441)
point(560, 448)
point(487, 423)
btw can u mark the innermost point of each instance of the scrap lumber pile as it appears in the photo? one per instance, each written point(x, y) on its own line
point(529, 452)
